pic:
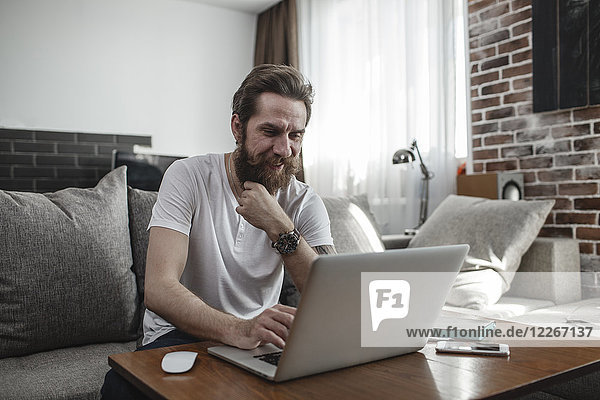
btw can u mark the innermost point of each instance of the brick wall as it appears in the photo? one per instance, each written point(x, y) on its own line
point(558, 152)
point(43, 161)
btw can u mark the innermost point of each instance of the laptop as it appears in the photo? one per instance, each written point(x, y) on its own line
point(335, 314)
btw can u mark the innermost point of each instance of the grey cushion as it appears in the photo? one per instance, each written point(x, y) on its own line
point(73, 373)
point(140, 203)
point(362, 201)
point(353, 227)
point(65, 269)
point(499, 233)
point(559, 256)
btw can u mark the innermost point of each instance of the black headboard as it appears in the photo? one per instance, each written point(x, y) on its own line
point(144, 171)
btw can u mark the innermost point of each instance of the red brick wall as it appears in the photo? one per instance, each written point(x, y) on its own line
point(558, 151)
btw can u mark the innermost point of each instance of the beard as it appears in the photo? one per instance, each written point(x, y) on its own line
point(256, 169)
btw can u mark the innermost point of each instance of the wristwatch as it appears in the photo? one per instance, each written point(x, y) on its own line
point(287, 242)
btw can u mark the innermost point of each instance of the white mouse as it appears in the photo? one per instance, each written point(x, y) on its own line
point(178, 362)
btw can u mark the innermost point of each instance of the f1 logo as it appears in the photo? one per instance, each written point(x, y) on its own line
point(386, 296)
point(389, 299)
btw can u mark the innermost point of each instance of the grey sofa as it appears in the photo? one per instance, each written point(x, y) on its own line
point(72, 278)
point(549, 275)
point(547, 279)
point(71, 286)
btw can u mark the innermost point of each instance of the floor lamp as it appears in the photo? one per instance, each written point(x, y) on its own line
point(404, 156)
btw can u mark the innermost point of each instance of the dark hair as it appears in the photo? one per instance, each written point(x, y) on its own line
point(270, 78)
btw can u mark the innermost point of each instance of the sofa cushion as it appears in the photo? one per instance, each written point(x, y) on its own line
point(499, 232)
point(73, 373)
point(550, 269)
point(65, 269)
point(353, 227)
point(140, 203)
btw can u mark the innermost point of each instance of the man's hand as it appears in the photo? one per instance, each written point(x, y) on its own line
point(271, 326)
point(259, 208)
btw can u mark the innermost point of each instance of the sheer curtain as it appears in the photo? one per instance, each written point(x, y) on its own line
point(384, 72)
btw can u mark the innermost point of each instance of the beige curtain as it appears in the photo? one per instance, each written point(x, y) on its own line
point(277, 40)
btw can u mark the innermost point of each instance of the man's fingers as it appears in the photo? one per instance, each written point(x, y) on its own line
point(269, 331)
point(283, 318)
point(273, 324)
point(254, 186)
point(276, 324)
point(248, 185)
point(240, 210)
point(284, 308)
point(267, 336)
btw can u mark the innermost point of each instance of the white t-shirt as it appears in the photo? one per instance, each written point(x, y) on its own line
point(231, 265)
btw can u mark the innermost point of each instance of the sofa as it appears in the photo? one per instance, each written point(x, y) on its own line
point(546, 280)
point(72, 280)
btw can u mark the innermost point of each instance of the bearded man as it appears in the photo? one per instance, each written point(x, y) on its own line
point(225, 225)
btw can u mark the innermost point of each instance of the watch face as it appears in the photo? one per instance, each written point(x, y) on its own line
point(286, 243)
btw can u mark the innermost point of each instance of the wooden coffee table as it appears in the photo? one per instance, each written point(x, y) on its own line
point(421, 375)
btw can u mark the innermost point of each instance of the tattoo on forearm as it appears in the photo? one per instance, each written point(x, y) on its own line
point(326, 249)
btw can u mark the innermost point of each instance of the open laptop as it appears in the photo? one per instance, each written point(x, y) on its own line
point(328, 332)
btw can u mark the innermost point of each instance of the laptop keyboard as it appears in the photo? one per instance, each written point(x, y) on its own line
point(271, 358)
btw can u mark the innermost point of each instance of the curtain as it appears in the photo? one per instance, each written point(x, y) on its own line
point(277, 35)
point(384, 72)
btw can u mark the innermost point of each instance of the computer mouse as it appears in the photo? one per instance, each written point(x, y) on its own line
point(178, 362)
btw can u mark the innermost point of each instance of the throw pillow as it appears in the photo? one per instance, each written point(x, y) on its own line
point(499, 233)
point(65, 269)
point(353, 227)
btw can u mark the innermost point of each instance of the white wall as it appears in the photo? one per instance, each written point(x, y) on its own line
point(165, 68)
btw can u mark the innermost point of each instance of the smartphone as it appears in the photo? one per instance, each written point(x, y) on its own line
point(484, 349)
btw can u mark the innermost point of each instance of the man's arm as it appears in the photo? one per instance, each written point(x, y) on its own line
point(289, 293)
point(261, 209)
point(325, 249)
point(167, 297)
point(297, 267)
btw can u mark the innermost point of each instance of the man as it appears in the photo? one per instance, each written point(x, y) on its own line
point(223, 224)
